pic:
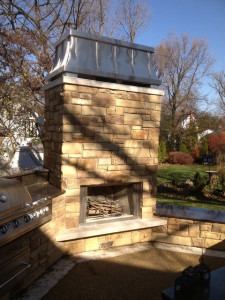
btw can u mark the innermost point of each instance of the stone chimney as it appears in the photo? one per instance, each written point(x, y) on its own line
point(102, 121)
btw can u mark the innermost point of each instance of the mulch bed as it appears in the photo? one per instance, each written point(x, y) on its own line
point(183, 191)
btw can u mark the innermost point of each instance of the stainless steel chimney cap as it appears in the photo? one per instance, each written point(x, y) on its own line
point(84, 55)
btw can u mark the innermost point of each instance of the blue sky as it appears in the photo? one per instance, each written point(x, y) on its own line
point(198, 18)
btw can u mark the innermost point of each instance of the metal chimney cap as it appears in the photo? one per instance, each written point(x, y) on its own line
point(103, 39)
point(85, 55)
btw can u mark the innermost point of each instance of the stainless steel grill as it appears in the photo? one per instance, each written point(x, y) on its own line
point(13, 196)
point(23, 208)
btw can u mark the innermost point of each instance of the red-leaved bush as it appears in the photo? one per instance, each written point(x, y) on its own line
point(217, 142)
point(180, 158)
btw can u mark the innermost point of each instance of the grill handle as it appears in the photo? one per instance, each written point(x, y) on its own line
point(27, 266)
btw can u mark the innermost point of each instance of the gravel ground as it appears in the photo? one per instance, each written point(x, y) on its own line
point(140, 275)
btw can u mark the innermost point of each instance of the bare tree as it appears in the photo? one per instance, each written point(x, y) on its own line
point(29, 29)
point(181, 65)
point(27, 32)
point(132, 16)
point(97, 21)
point(13, 119)
point(219, 86)
point(75, 14)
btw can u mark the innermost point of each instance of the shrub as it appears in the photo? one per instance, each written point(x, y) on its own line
point(162, 152)
point(180, 158)
point(213, 188)
point(221, 168)
point(195, 153)
point(216, 143)
point(199, 182)
point(221, 174)
point(204, 147)
point(183, 148)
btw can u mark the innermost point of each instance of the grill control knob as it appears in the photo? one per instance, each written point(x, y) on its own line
point(3, 198)
point(16, 223)
point(27, 218)
point(3, 229)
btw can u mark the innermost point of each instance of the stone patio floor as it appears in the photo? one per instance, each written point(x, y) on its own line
point(139, 271)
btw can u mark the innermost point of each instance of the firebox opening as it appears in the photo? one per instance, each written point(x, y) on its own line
point(110, 202)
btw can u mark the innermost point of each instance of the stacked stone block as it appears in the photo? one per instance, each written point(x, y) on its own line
point(107, 241)
point(191, 233)
point(101, 136)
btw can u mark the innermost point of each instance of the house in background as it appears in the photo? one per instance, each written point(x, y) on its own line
point(25, 149)
point(188, 120)
point(191, 118)
point(204, 133)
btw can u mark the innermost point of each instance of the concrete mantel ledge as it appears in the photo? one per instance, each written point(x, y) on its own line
point(102, 84)
point(92, 230)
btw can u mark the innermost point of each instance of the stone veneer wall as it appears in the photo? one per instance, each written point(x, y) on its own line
point(192, 233)
point(102, 135)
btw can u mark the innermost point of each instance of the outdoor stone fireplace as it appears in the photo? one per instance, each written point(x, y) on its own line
point(102, 129)
point(101, 151)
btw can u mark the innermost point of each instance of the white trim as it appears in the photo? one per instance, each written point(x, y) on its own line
point(100, 84)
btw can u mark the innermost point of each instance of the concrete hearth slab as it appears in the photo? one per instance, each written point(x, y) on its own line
point(96, 229)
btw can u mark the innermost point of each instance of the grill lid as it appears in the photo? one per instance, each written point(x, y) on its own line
point(13, 196)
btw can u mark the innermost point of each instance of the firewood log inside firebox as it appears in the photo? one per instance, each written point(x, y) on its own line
point(101, 206)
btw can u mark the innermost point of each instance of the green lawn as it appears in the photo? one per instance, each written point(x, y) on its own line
point(174, 195)
point(167, 173)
